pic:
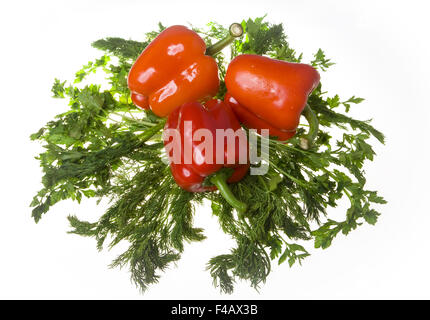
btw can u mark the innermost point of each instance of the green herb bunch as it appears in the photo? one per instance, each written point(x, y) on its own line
point(104, 147)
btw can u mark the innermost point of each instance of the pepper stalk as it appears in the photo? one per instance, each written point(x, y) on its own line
point(307, 140)
point(235, 31)
point(219, 179)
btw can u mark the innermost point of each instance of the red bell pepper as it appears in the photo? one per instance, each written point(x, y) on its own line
point(176, 68)
point(271, 94)
point(203, 172)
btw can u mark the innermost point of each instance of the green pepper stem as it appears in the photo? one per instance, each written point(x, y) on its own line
point(307, 140)
point(235, 31)
point(219, 179)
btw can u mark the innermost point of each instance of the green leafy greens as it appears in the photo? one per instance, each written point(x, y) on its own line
point(104, 147)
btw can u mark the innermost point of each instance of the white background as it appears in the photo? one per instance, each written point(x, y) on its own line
point(382, 53)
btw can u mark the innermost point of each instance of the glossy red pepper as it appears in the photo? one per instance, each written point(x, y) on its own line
point(176, 68)
point(203, 172)
point(268, 93)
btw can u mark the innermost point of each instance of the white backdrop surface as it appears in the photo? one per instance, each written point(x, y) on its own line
point(381, 50)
